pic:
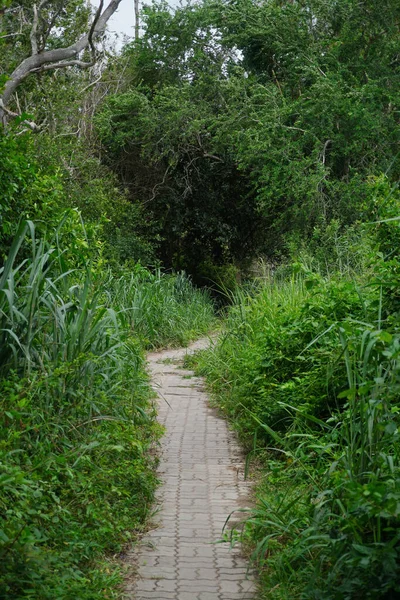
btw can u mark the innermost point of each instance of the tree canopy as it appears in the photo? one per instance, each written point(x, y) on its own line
point(272, 115)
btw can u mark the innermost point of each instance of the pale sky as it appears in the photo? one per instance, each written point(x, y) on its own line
point(123, 21)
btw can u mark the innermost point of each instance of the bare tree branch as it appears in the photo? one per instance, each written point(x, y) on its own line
point(95, 20)
point(18, 104)
point(90, 85)
point(50, 26)
point(137, 16)
point(2, 37)
point(158, 185)
point(63, 65)
point(35, 24)
point(60, 57)
point(30, 124)
point(33, 36)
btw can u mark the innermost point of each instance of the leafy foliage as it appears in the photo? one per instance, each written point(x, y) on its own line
point(232, 128)
point(24, 188)
point(76, 425)
point(308, 372)
point(161, 137)
point(248, 124)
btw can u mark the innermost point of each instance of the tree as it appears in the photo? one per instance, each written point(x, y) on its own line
point(47, 52)
point(252, 123)
point(161, 137)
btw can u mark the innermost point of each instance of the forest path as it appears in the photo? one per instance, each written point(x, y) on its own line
point(201, 470)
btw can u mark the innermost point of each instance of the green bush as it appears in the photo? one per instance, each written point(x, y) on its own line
point(77, 427)
point(163, 309)
point(279, 346)
point(26, 191)
point(308, 371)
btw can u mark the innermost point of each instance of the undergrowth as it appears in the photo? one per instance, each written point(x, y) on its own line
point(308, 372)
point(77, 424)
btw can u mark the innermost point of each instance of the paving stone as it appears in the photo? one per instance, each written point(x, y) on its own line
point(166, 585)
point(201, 470)
point(197, 585)
point(153, 595)
point(144, 585)
point(168, 572)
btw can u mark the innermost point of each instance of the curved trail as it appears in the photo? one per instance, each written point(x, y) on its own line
point(201, 470)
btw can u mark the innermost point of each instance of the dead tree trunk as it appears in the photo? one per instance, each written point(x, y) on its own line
point(137, 15)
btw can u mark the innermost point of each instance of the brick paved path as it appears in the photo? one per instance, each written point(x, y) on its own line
point(202, 483)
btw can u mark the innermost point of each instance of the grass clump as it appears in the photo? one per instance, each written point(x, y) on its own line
point(308, 372)
point(77, 425)
point(163, 310)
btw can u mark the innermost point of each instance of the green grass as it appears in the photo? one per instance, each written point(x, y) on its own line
point(77, 425)
point(307, 370)
point(162, 310)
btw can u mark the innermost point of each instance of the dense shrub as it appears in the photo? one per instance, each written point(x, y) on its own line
point(308, 367)
point(26, 191)
point(77, 426)
point(279, 346)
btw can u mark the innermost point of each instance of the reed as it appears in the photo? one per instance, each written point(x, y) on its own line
point(308, 371)
point(77, 425)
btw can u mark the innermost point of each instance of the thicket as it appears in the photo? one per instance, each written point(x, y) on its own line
point(244, 125)
point(231, 129)
point(78, 309)
point(272, 128)
point(307, 370)
point(77, 424)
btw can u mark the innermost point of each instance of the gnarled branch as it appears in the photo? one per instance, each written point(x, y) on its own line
point(59, 57)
